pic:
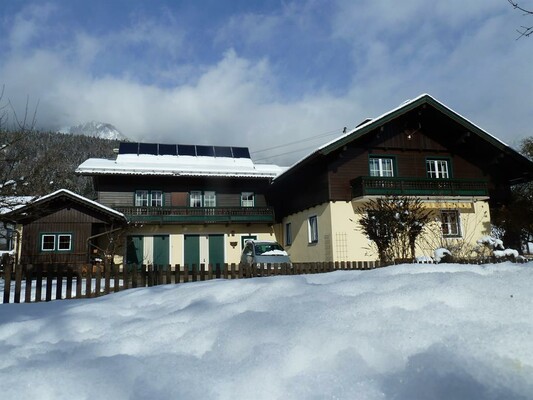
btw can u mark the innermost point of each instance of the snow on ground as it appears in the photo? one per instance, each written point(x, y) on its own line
point(403, 332)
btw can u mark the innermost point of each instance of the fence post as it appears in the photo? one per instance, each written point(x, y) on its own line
point(185, 273)
point(7, 280)
point(177, 274)
point(78, 282)
point(97, 281)
point(107, 280)
point(69, 283)
point(18, 281)
point(29, 273)
point(49, 280)
point(88, 283)
point(168, 277)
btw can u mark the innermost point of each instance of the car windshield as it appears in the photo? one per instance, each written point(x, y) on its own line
point(261, 248)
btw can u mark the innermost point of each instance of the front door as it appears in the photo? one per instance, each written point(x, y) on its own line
point(216, 250)
point(191, 249)
point(161, 251)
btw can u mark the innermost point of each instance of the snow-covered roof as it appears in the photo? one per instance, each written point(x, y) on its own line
point(37, 202)
point(179, 165)
point(80, 198)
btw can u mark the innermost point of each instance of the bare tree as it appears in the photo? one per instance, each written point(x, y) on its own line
point(525, 30)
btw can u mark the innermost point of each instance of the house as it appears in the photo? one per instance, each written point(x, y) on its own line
point(421, 149)
point(185, 204)
point(64, 227)
point(193, 204)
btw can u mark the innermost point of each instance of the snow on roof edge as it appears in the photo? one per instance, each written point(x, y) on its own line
point(374, 120)
point(78, 196)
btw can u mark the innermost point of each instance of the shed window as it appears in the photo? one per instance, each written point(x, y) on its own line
point(56, 242)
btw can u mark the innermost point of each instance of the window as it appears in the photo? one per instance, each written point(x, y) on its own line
point(288, 234)
point(141, 198)
point(145, 198)
point(195, 199)
point(64, 242)
point(210, 199)
point(156, 198)
point(247, 199)
point(56, 242)
point(450, 223)
point(381, 166)
point(437, 169)
point(312, 227)
point(48, 243)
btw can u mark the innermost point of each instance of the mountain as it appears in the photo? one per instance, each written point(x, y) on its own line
point(97, 129)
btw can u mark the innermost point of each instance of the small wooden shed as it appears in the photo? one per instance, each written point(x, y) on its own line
point(63, 227)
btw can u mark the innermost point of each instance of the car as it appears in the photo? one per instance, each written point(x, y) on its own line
point(262, 252)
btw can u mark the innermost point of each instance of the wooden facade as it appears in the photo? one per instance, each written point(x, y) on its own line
point(409, 137)
point(62, 216)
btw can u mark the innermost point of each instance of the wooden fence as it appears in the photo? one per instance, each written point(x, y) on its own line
point(35, 283)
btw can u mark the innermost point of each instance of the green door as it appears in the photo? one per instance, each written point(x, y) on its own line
point(161, 250)
point(134, 250)
point(216, 250)
point(191, 250)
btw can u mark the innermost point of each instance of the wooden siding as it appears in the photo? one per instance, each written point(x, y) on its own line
point(120, 191)
point(71, 221)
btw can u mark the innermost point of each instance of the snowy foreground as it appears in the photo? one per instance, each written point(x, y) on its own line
point(405, 332)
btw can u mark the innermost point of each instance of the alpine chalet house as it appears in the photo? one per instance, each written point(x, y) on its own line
point(421, 149)
point(185, 204)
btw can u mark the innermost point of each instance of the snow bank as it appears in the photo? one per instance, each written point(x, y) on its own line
point(405, 332)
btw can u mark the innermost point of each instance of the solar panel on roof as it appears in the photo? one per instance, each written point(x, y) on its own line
point(240, 152)
point(223, 151)
point(186, 150)
point(168, 150)
point(148, 148)
point(128, 148)
point(206, 151)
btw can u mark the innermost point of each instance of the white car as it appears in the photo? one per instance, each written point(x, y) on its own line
point(263, 252)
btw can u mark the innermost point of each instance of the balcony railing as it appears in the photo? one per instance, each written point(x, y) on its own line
point(198, 215)
point(373, 185)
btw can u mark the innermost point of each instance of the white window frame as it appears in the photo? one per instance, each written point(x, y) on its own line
point(210, 199)
point(53, 243)
point(247, 199)
point(156, 198)
point(58, 241)
point(195, 198)
point(142, 198)
point(450, 223)
point(57, 244)
point(438, 168)
point(312, 229)
point(381, 166)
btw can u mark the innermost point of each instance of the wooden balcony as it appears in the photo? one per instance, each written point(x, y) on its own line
point(382, 186)
point(197, 215)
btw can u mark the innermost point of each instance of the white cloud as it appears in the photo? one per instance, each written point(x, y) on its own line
point(466, 55)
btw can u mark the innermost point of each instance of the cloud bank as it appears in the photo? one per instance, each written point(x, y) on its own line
point(264, 76)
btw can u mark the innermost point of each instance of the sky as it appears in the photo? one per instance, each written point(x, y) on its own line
point(405, 332)
point(279, 77)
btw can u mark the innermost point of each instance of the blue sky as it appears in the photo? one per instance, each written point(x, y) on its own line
point(263, 74)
